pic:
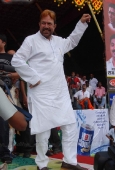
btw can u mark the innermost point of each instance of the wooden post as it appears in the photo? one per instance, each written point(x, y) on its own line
point(95, 19)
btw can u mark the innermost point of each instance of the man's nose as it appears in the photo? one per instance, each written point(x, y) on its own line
point(46, 25)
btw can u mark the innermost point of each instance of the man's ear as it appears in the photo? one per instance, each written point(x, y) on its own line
point(4, 44)
point(55, 25)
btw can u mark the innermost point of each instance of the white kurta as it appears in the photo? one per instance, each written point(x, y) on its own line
point(49, 102)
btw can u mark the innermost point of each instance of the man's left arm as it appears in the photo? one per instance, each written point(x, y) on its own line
point(74, 38)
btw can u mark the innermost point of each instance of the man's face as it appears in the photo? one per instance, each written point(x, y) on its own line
point(111, 14)
point(84, 77)
point(112, 48)
point(47, 26)
point(2, 44)
point(84, 87)
point(99, 84)
point(73, 74)
point(91, 76)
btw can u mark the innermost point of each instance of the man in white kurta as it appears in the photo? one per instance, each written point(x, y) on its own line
point(48, 96)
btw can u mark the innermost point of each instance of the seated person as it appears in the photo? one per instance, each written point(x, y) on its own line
point(90, 90)
point(100, 98)
point(82, 98)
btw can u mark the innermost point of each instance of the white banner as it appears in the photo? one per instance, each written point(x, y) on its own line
point(92, 126)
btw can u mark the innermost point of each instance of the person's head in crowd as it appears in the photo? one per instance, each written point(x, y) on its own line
point(87, 83)
point(111, 14)
point(99, 84)
point(12, 52)
point(77, 75)
point(3, 42)
point(47, 23)
point(73, 74)
point(112, 46)
point(91, 76)
point(84, 78)
point(84, 87)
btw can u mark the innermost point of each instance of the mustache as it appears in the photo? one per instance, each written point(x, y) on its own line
point(46, 29)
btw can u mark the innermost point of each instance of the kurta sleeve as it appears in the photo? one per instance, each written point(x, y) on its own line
point(19, 61)
point(7, 109)
point(72, 41)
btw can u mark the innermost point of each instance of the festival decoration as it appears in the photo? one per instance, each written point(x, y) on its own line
point(95, 4)
point(95, 7)
point(60, 2)
point(79, 3)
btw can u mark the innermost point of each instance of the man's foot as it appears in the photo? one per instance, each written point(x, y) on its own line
point(45, 168)
point(71, 167)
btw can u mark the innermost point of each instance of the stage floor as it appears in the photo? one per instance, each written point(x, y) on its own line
point(20, 163)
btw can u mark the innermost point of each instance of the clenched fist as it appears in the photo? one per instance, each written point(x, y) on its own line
point(85, 18)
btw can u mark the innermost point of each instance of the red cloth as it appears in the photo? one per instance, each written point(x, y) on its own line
point(75, 80)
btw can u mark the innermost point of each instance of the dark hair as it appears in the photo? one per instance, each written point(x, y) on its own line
point(112, 37)
point(112, 5)
point(3, 38)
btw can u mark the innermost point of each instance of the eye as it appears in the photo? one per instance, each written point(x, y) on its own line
point(49, 24)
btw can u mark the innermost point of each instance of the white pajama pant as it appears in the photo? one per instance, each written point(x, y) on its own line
point(69, 145)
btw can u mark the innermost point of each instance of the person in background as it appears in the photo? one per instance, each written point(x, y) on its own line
point(12, 52)
point(82, 99)
point(5, 59)
point(73, 84)
point(100, 98)
point(83, 80)
point(55, 142)
point(93, 82)
point(77, 75)
point(24, 140)
point(14, 118)
point(90, 90)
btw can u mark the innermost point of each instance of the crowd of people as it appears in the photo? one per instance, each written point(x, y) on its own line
point(86, 94)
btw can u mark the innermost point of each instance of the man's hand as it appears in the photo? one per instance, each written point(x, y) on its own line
point(31, 86)
point(85, 18)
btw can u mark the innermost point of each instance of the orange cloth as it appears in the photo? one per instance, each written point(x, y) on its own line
point(81, 102)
